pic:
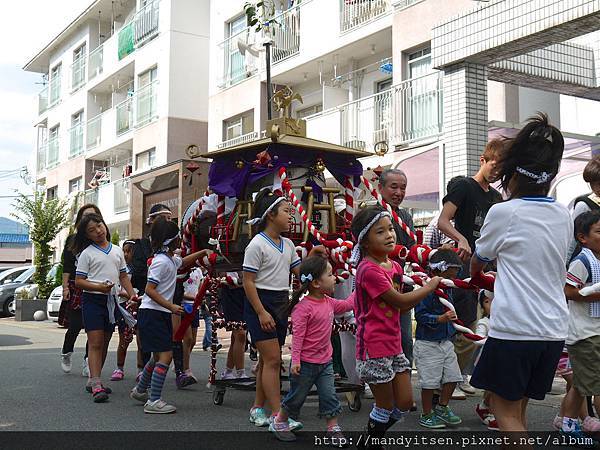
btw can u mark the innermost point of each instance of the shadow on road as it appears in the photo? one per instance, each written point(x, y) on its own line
point(8, 340)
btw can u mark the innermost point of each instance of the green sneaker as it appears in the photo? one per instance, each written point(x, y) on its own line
point(446, 415)
point(258, 417)
point(431, 420)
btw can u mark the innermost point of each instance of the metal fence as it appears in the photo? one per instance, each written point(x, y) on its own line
point(95, 62)
point(146, 22)
point(355, 13)
point(76, 140)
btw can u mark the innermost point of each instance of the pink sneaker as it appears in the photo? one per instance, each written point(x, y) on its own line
point(557, 423)
point(591, 425)
point(117, 375)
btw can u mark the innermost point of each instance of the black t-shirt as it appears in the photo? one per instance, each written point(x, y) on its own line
point(472, 204)
point(401, 236)
point(69, 261)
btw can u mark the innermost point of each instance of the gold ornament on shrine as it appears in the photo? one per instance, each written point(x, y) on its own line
point(381, 148)
point(285, 124)
point(319, 165)
point(239, 164)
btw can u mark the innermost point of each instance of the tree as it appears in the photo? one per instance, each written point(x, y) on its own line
point(115, 239)
point(45, 218)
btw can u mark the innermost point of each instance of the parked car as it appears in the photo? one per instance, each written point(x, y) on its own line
point(7, 291)
point(54, 304)
point(8, 275)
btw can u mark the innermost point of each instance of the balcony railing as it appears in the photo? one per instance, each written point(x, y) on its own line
point(95, 62)
point(146, 22)
point(42, 154)
point(405, 3)
point(286, 34)
point(124, 116)
point(91, 196)
point(408, 112)
point(244, 138)
point(53, 152)
point(54, 91)
point(43, 100)
point(355, 13)
point(236, 67)
point(78, 77)
point(121, 195)
point(76, 137)
point(93, 132)
point(146, 104)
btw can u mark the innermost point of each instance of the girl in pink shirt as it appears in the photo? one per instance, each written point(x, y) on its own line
point(378, 304)
point(312, 352)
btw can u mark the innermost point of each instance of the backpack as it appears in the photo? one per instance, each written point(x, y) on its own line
point(587, 199)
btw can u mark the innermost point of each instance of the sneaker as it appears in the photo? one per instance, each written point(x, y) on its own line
point(241, 373)
point(183, 380)
point(159, 407)
point(337, 438)
point(228, 374)
point(258, 417)
point(458, 394)
point(447, 415)
point(295, 425)
point(484, 413)
point(557, 423)
point(431, 420)
point(99, 394)
point(65, 362)
point(88, 388)
point(139, 396)
point(138, 376)
point(282, 431)
point(367, 392)
point(193, 379)
point(576, 432)
point(85, 368)
point(493, 424)
point(117, 375)
point(466, 387)
point(591, 425)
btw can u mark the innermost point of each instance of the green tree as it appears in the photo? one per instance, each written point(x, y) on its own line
point(45, 218)
point(115, 239)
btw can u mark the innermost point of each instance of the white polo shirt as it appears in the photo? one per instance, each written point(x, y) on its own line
point(529, 237)
point(270, 262)
point(99, 264)
point(163, 273)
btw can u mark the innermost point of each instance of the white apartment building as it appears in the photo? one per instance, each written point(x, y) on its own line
point(369, 72)
point(126, 91)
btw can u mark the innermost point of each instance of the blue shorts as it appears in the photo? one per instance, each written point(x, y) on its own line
point(95, 312)
point(517, 369)
point(232, 303)
point(155, 330)
point(276, 304)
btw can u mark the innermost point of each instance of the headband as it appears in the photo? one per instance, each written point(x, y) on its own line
point(356, 254)
point(258, 220)
point(540, 178)
point(128, 241)
point(442, 266)
point(157, 213)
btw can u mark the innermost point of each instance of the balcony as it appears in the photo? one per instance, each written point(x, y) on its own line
point(93, 132)
point(55, 86)
point(236, 68)
point(124, 112)
point(112, 199)
point(408, 112)
point(145, 104)
point(243, 139)
point(95, 62)
point(43, 101)
point(42, 154)
point(53, 152)
point(78, 77)
point(286, 34)
point(121, 196)
point(145, 23)
point(356, 13)
point(76, 141)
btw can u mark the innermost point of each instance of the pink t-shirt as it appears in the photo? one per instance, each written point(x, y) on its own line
point(377, 323)
point(311, 326)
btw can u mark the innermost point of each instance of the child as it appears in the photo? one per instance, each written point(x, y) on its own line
point(583, 341)
point(312, 351)
point(232, 303)
point(154, 315)
point(435, 358)
point(483, 328)
point(378, 303)
point(125, 333)
point(268, 260)
point(100, 267)
point(529, 237)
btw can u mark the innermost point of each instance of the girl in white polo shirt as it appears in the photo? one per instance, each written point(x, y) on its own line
point(100, 267)
point(529, 237)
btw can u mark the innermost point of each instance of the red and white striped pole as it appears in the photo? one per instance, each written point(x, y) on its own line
point(220, 209)
point(349, 192)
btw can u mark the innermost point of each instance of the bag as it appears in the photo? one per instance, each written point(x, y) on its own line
point(591, 200)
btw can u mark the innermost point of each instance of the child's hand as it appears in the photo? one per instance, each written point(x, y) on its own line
point(434, 283)
point(105, 288)
point(295, 369)
point(176, 309)
point(266, 321)
point(448, 316)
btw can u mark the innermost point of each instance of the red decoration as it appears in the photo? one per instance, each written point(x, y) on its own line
point(263, 159)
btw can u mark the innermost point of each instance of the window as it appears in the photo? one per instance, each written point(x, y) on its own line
point(309, 111)
point(55, 74)
point(75, 185)
point(238, 125)
point(78, 68)
point(52, 193)
point(145, 160)
point(76, 134)
point(419, 63)
point(147, 77)
point(235, 69)
point(423, 109)
point(53, 146)
point(146, 110)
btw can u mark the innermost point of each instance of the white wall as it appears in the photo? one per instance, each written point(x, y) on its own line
point(579, 115)
point(532, 100)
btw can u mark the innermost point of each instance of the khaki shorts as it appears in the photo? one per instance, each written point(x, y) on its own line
point(585, 360)
point(436, 364)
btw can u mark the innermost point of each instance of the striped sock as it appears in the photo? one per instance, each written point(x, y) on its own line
point(398, 415)
point(158, 380)
point(144, 382)
point(380, 415)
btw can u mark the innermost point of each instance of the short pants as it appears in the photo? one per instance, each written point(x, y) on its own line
point(155, 330)
point(436, 364)
point(232, 303)
point(95, 312)
point(276, 304)
point(382, 370)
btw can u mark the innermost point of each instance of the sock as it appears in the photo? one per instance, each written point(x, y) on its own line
point(380, 415)
point(178, 357)
point(158, 380)
point(335, 427)
point(121, 367)
point(569, 424)
point(398, 415)
point(144, 382)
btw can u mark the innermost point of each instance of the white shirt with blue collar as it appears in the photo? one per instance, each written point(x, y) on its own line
point(99, 264)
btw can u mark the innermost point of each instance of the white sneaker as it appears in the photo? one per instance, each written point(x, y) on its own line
point(367, 393)
point(458, 394)
point(466, 387)
point(228, 374)
point(241, 373)
point(159, 407)
point(65, 362)
point(85, 368)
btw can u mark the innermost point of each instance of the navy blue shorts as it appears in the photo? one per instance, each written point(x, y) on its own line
point(155, 330)
point(517, 369)
point(232, 303)
point(95, 312)
point(276, 304)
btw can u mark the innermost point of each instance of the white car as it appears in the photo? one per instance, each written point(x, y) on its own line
point(54, 304)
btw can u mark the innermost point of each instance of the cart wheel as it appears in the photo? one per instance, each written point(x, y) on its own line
point(355, 404)
point(218, 396)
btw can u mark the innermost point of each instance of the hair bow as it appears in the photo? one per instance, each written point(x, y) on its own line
point(305, 278)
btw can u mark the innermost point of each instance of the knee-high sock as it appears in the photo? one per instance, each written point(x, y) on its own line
point(144, 382)
point(178, 356)
point(158, 380)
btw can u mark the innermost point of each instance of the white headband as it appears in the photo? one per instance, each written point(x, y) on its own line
point(442, 266)
point(257, 220)
point(168, 241)
point(356, 255)
point(157, 213)
point(541, 178)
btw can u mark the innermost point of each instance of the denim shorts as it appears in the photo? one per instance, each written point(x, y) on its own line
point(95, 312)
point(320, 375)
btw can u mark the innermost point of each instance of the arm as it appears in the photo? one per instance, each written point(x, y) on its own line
point(477, 265)
point(155, 296)
point(266, 321)
point(189, 297)
point(126, 284)
point(82, 283)
point(405, 302)
point(573, 294)
point(65, 286)
point(446, 227)
point(422, 314)
point(191, 259)
point(299, 320)
point(343, 306)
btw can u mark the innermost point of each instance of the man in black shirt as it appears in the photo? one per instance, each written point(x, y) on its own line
point(467, 203)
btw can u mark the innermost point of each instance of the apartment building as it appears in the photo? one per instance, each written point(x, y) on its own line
point(126, 92)
point(368, 75)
